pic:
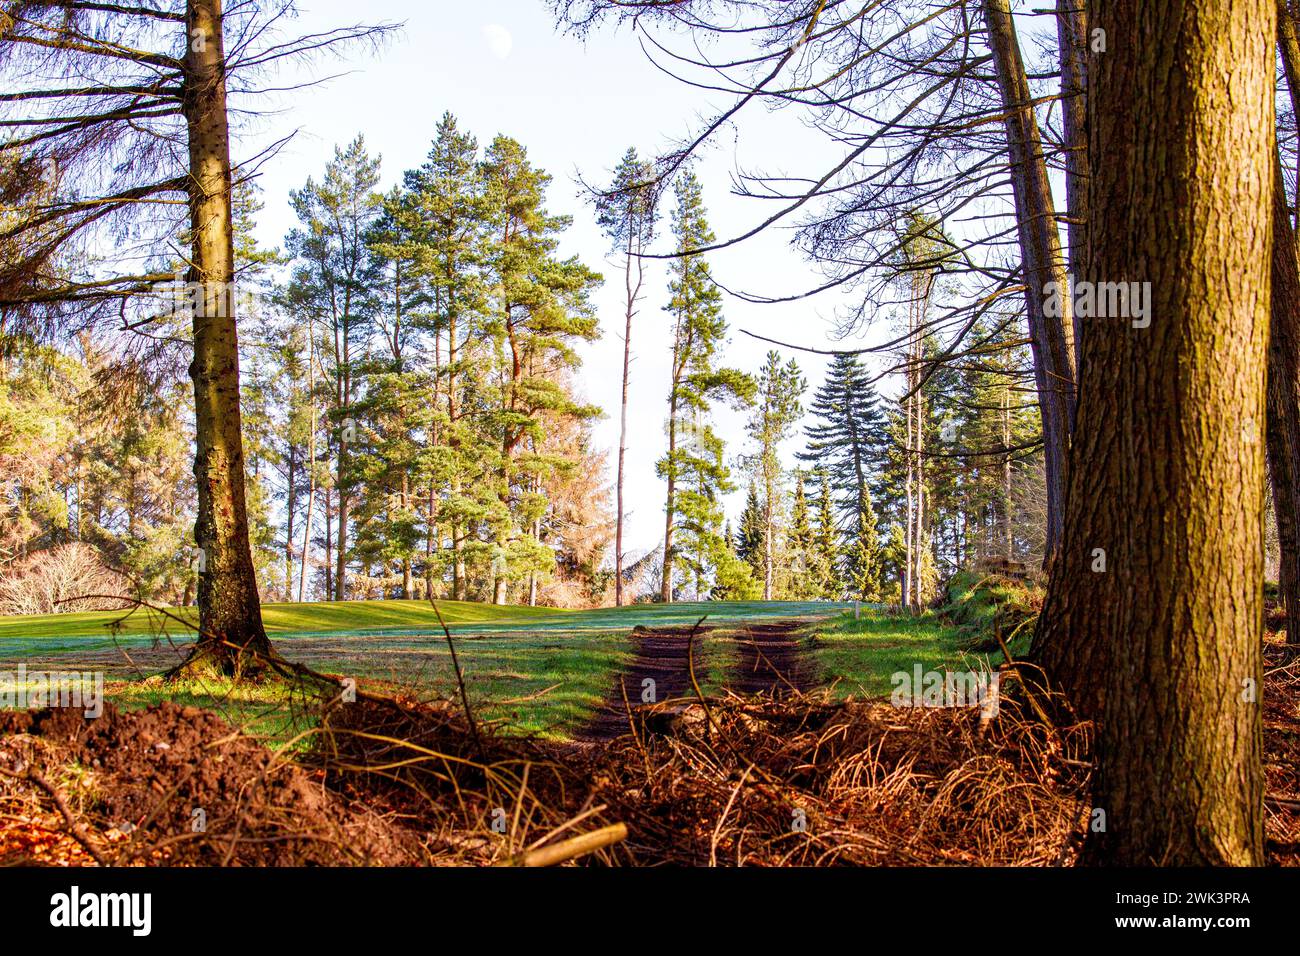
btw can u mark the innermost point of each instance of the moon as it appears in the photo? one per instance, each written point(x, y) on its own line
point(499, 40)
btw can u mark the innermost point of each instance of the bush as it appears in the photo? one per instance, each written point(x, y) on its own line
point(57, 580)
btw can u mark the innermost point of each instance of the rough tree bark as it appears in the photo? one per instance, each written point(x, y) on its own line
point(1051, 337)
point(230, 619)
point(1167, 466)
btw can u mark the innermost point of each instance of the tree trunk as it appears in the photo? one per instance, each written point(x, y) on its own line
point(289, 508)
point(311, 463)
point(666, 584)
point(1284, 363)
point(905, 579)
point(768, 557)
point(1166, 478)
point(341, 542)
point(632, 290)
point(1284, 403)
point(231, 635)
point(1072, 39)
point(329, 547)
point(1009, 538)
point(1051, 337)
point(918, 537)
point(453, 440)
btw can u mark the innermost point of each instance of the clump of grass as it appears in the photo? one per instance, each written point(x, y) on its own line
point(986, 607)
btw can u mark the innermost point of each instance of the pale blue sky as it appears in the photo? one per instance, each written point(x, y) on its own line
point(501, 66)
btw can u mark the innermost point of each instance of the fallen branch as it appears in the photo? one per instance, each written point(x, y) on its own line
point(569, 849)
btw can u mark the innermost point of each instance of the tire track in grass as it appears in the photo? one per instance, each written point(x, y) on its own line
point(658, 654)
point(772, 660)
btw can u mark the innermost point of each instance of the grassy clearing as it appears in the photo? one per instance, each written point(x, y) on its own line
point(49, 633)
point(537, 669)
point(547, 684)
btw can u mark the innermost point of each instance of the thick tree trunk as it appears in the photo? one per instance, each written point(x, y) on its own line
point(1166, 478)
point(1007, 505)
point(1051, 337)
point(230, 618)
point(918, 537)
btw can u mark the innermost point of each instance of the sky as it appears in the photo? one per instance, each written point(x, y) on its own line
point(503, 66)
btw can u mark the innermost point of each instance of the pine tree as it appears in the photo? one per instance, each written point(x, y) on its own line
point(776, 411)
point(799, 565)
point(336, 280)
point(627, 214)
point(452, 249)
point(749, 536)
point(864, 559)
point(699, 331)
point(847, 436)
point(541, 311)
point(825, 567)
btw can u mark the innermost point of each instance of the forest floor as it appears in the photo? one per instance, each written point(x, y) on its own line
point(768, 739)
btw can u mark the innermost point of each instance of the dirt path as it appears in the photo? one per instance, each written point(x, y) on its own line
point(660, 655)
point(771, 660)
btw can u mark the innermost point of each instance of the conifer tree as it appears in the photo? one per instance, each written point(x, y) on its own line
point(776, 412)
point(799, 564)
point(826, 551)
point(749, 535)
point(864, 558)
point(541, 310)
point(847, 435)
point(699, 331)
point(627, 213)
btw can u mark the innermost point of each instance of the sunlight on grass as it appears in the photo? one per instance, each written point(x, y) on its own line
point(858, 656)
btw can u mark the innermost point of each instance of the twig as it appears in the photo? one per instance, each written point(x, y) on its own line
point(460, 680)
point(74, 827)
point(570, 849)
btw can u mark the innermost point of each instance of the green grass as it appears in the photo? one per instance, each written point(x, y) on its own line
point(64, 632)
point(540, 670)
point(537, 670)
point(278, 618)
point(859, 655)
